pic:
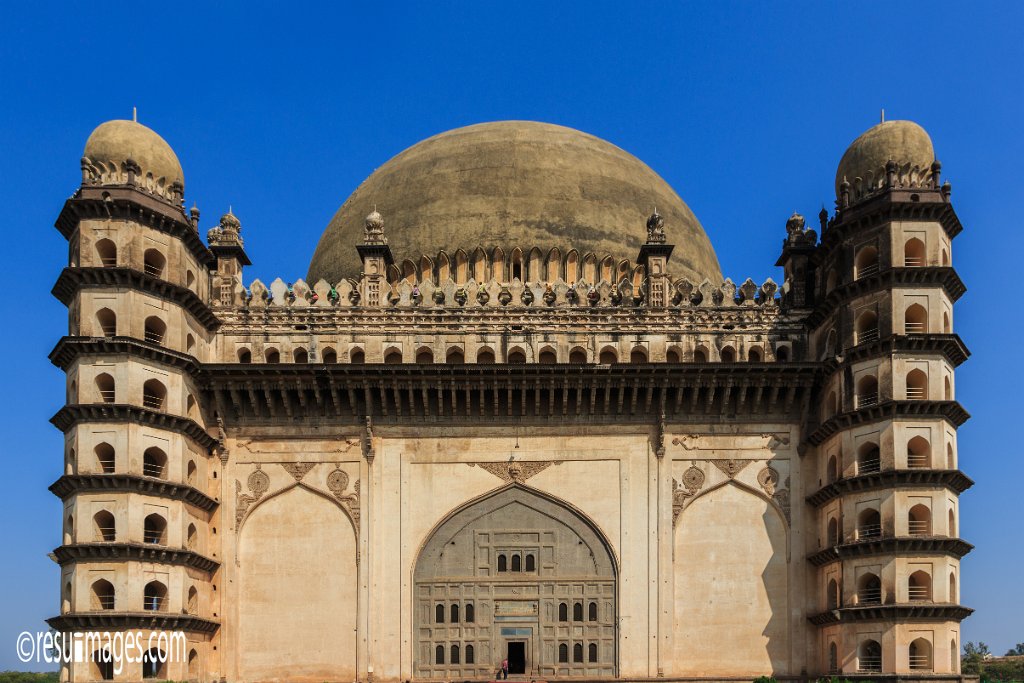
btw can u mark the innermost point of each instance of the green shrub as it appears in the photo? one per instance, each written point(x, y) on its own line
point(29, 677)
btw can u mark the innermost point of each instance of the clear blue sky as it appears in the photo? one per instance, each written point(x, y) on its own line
point(745, 109)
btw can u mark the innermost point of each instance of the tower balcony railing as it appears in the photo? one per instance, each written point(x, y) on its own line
point(152, 402)
point(154, 603)
point(913, 328)
point(869, 596)
point(867, 400)
point(920, 662)
point(107, 395)
point(919, 593)
point(869, 665)
point(105, 534)
point(154, 337)
point(868, 270)
point(869, 466)
point(109, 261)
point(867, 336)
point(919, 528)
point(869, 531)
point(154, 538)
point(913, 261)
point(150, 269)
point(153, 470)
point(105, 601)
point(918, 461)
point(916, 393)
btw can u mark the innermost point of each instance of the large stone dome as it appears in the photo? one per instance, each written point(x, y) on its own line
point(905, 142)
point(114, 142)
point(514, 184)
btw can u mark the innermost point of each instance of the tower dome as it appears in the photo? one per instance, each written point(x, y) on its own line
point(905, 142)
point(514, 184)
point(115, 142)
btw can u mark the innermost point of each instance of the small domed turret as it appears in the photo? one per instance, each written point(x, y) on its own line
point(374, 228)
point(114, 144)
point(866, 162)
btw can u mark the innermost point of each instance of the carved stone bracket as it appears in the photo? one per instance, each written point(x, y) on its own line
point(368, 451)
point(782, 498)
point(258, 484)
point(515, 470)
point(298, 469)
point(659, 439)
point(222, 438)
point(687, 442)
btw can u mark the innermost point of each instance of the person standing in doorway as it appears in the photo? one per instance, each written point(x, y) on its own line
point(504, 669)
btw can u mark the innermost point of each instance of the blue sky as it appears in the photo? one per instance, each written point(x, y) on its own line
point(281, 109)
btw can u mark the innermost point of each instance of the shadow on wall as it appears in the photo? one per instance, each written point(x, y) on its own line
point(775, 579)
point(731, 585)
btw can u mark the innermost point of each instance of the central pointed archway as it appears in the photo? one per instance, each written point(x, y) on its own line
point(520, 575)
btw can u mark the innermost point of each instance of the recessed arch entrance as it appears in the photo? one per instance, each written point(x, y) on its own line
point(518, 560)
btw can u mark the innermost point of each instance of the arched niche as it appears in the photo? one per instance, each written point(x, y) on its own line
point(459, 563)
point(731, 583)
point(297, 547)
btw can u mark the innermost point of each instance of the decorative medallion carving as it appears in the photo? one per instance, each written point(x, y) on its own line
point(515, 470)
point(258, 484)
point(768, 478)
point(731, 467)
point(298, 469)
point(337, 482)
point(693, 480)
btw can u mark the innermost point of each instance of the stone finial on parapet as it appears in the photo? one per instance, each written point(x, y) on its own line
point(376, 257)
point(655, 228)
point(653, 258)
point(373, 229)
point(225, 242)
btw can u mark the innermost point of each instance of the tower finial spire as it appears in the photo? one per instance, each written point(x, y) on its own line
point(135, 114)
point(883, 115)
